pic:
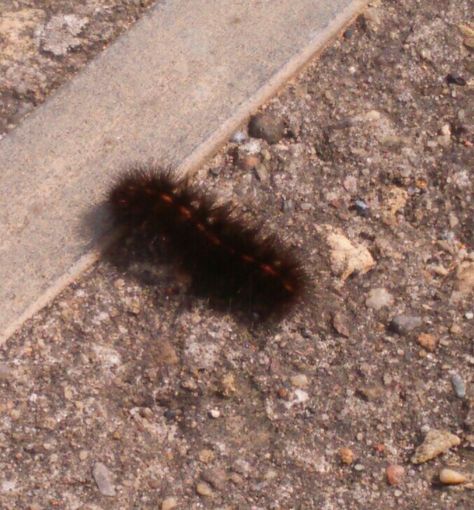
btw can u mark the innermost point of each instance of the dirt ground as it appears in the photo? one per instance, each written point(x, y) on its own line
point(43, 43)
point(126, 394)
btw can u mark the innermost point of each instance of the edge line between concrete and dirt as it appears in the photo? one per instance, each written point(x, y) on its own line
point(294, 66)
point(196, 157)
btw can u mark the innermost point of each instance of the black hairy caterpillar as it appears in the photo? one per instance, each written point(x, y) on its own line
point(227, 258)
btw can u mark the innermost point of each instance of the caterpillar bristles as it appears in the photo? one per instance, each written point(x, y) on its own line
point(228, 259)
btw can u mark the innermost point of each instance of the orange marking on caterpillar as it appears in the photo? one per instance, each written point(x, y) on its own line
point(268, 269)
point(288, 287)
point(247, 258)
point(166, 198)
point(185, 212)
point(214, 239)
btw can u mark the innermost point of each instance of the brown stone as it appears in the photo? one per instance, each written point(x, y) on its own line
point(346, 455)
point(395, 474)
point(427, 341)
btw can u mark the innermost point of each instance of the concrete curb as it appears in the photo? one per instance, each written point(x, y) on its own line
point(218, 60)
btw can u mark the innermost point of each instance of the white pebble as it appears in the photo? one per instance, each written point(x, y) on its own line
point(451, 477)
point(214, 413)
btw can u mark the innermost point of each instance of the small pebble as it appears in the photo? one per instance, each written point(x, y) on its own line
point(283, 393)
point(444, 140)
point(215, 477)
point(458, 385)
point(214, 413)
point(239, 137)
point(242, 467)
point(469, 315)
point(103, 478)
point(206, 455)
point(362, 208)
point(300, 397)
point(119, 284)
point(349, 32)
point(439, 269)
point(204, 489)
point(359, 467)
point(420, 182)
point(445, 342)
point(346, 257)
point(340, 323)
point(346, 455)
point(379, 298)
point(300, 381)
point(287, 205)
point(236, 478)
point(455, 79)
point(435, 443)
point(271, 474)
point(379, 448)
point(427, 341)
point(228, 385)
point(189, 384)
point(371, 393)
point(350, 184)
point(469, 42)
point(60, 34)
point(451, 477)
point(169, 503)
point(455, 329)
point(403, 324)
point(15, 414)
point(395, 474)
point(250, 147)
point(266, 126)
point(445, 130)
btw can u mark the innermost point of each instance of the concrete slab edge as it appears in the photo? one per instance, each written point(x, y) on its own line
point(205, 150)
point(272, 87)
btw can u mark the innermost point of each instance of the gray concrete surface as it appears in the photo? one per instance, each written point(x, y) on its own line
point(173, 89)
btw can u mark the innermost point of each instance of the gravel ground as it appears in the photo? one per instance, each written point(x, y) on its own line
point(125, 393)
